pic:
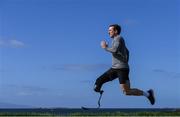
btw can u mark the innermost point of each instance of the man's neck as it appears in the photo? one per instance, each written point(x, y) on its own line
point(116, 36)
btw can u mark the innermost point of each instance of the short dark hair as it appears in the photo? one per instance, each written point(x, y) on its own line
point(116, 27)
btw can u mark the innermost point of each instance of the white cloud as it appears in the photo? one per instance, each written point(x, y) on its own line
point(1, 43)
point(16, 43)
point(25, 94)
point(167, 73)
point(77, 67)
point(25, 90)
point(12, 43)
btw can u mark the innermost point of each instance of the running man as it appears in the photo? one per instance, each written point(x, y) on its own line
point(120, 67)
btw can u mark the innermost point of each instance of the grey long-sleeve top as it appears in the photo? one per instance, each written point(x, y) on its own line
point(118, 45)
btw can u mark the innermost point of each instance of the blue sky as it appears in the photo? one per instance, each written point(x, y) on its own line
point(50, 53)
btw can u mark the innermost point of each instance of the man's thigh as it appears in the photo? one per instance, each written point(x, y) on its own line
point(110, 74)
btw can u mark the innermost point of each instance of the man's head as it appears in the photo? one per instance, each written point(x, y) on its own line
point(114, 30)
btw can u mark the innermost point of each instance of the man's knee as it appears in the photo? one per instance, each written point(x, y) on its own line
point(98, 81)
point(98, 85)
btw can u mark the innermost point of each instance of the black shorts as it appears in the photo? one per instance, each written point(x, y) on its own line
point(111, 74)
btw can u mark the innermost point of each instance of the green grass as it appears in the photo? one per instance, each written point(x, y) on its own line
point(128, 114)
point(34, 114)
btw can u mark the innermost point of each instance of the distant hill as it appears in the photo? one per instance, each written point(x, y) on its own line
point(9, 105)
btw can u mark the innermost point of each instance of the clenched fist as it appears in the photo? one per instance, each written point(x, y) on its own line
point(104, 44)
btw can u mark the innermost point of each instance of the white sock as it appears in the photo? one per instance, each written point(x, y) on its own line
point(146, 94)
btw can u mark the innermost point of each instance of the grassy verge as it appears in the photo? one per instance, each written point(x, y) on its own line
point(21, 114)
point(128, 114)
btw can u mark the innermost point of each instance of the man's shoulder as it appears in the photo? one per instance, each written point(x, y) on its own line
point(121, 38)
point(117, 38)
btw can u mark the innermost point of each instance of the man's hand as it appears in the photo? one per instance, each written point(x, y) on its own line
point(104, 44)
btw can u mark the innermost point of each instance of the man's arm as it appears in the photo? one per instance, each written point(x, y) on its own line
point(114, 47)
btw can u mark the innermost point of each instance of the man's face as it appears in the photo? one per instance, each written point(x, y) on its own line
point(112, 32)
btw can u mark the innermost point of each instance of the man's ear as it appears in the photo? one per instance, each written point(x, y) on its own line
point(116, 31)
